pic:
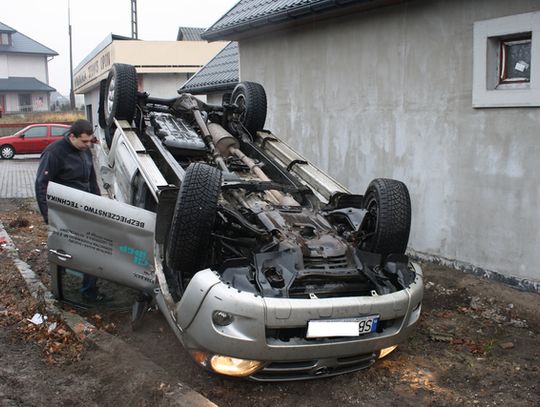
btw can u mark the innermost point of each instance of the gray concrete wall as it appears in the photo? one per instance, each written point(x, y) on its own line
point(389, 94)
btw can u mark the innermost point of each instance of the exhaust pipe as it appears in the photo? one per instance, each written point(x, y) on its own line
point(228, 145)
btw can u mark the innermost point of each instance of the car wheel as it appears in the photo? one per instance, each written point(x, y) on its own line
point(120, 96)
point(193, 221)
point(250, 97)
point(7, 152)
point(387, 223)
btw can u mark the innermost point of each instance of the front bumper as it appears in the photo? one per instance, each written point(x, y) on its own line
point(273, 329)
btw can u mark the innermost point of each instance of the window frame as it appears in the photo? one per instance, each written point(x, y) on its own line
point(63, 133)
point(5, 38)
point(27, 108)
point(504, 44)
point(487, 89)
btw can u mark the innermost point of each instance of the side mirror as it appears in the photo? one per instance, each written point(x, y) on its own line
point(21, 136)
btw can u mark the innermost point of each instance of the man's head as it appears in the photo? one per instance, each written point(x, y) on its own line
point(81, 134)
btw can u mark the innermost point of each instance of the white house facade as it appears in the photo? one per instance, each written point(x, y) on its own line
point(24, 76)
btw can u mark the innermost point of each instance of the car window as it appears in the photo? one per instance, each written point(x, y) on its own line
point(58, 131)
point(38, 131)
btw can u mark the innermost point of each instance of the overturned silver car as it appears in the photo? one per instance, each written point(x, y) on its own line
point(264, 266)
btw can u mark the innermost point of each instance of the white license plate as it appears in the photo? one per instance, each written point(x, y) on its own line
point(329, 328)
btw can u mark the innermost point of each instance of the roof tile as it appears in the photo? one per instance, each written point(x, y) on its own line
point(219, 74)
point(23, 84)
point(249, 14)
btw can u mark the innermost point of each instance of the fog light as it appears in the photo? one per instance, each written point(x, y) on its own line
point(222, 318)
point(386, 351)
point(233, 366)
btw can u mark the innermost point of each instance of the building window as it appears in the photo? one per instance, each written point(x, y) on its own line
point(5, 39)
point(515, 60)
point(506, 61)
point(25, 102)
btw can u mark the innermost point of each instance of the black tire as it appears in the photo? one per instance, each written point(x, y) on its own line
point(120, 95)
point(193, 221)
point(387, 224)
point(7, 152)
point(101, 107)
point(250, 97)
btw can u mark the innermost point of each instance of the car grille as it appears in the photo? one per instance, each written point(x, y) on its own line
point(313, 369)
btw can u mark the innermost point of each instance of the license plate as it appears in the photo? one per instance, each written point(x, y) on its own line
point(329, 328)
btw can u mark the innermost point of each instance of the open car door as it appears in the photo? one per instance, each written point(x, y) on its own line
point(102, 237)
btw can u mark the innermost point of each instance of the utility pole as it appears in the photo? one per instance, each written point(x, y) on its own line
point(134, 33)
point(71, 93)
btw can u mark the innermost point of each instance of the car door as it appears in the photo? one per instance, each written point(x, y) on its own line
point(101, 237)
point(34, 140)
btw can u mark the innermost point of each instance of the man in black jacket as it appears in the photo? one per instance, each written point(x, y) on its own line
point(69, 162)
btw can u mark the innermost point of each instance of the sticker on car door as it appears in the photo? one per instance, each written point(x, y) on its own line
point(100, 236)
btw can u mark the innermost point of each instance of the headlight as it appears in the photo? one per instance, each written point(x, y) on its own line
point(227, 365)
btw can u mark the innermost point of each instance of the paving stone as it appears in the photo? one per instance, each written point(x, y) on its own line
point(17, 176)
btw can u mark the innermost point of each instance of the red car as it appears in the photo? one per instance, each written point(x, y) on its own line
point(31, 140)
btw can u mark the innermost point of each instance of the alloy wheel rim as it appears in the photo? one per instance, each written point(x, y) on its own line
point(110, 96)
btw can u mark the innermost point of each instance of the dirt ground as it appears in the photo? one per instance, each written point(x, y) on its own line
point(477, 344)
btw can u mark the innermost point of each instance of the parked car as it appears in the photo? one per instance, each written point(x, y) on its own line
point(263, 265)
point(32, 139)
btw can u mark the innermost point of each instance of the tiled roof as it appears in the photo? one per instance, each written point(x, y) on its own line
point(219, 74)
point(22, 84)
point(21, 44)
point(189, 34)
point(6, 28)
point(252, 14)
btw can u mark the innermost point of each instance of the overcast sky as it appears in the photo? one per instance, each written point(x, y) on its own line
point(46, 21)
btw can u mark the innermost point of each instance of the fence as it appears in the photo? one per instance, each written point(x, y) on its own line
point(12, 122)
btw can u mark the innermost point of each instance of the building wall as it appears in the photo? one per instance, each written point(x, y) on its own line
point(27, 66)
point(39, 101)
point(164, 85)
point(214, 98)
point(389, 94)
point(3, 66)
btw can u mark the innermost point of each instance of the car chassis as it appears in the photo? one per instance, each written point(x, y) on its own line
point(264, 266)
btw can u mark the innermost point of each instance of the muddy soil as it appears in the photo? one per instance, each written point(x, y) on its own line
point(477, 343)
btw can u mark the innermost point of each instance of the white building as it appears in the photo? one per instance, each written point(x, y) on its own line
point(162, 66)
point(24, 74)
